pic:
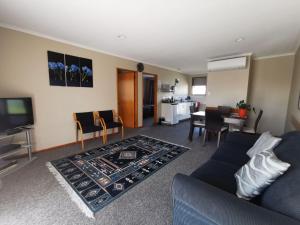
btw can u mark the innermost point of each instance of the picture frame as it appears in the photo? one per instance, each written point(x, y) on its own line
point(56, 68)
point(69, 70)
point(73, 73)
point(86, 68)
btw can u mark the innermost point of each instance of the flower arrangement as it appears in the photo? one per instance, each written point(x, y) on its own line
point(243, 107)
point(86, 72)
point(73, 70)
point(58, 68)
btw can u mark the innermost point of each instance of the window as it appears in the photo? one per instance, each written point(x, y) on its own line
point(199, 86)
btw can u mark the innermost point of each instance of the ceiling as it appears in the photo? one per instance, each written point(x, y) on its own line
point(175, 34)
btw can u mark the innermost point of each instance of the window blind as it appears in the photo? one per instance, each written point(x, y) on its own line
point(198, 81)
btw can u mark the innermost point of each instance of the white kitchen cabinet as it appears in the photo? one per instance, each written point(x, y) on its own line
point(183, 110)
point(173, 113)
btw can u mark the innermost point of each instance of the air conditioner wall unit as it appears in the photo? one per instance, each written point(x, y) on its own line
point(227, 64)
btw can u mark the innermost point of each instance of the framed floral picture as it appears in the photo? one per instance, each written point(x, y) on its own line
point(72, 71)
point(56, 67)
point(86, 68)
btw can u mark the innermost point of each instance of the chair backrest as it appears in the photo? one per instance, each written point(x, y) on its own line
point(225, 110)
point(192, 109)
point(257, 120)
point(85, 118)
point(107, 115)
point(213, 120)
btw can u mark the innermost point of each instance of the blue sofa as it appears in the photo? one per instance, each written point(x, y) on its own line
point(208, 197)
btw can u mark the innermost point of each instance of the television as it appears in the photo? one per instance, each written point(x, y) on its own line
point(15, 113)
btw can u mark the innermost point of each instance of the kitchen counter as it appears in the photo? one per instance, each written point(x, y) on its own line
point(177, 102)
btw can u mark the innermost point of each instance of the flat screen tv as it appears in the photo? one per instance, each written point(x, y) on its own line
point(15, 113)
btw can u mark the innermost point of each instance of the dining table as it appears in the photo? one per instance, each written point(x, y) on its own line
point(234, 121)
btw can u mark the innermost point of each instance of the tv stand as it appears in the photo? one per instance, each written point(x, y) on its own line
point(12, 149)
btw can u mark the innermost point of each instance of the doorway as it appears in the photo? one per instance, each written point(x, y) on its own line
point(127, 82)
point(149, 99)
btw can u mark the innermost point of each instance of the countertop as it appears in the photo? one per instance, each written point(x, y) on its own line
point(176, 102)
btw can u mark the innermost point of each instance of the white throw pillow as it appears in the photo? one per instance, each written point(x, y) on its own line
point(265, 142)
point(261, 170)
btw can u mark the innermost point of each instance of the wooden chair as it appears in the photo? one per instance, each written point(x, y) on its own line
point(85, 123)
point(111, 120)
point(214, 123)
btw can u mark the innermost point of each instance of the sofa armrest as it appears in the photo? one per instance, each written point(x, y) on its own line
point(242, 138)
point(195, 202)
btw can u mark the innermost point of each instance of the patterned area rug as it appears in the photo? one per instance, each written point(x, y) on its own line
point(96, 177)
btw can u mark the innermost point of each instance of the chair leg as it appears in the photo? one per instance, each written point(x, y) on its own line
point(204, 137)
point(82, 142)
point(122, 130)
point(219, 138)
point(103, 136)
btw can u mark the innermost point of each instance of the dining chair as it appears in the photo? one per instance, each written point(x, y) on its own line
point(85, 123)
point(225, 110)
point(199, 124)
point(194, 108)
point(111, 120)
point(214, 123)
point(254, 129)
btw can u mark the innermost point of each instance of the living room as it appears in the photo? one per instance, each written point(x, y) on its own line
point(132, 166)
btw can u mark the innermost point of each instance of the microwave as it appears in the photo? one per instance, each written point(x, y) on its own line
point(167, 88)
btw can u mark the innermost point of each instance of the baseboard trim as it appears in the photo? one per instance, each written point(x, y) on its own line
point(70, 143)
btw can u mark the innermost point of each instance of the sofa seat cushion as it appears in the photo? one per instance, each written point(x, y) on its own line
point(284, 194)
point(219, 174)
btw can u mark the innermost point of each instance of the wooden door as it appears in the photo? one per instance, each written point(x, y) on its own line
point(127, 94)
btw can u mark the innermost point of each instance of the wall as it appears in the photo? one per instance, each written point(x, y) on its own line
point(24, 72)
point(269, 88)
point(293, 114)
point(227, 87)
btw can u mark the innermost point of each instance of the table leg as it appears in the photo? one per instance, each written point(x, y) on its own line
point(200, 131)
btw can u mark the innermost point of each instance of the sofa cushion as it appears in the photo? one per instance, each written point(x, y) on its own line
point(260, 172)
point(242, 138)
point(284, 194)
point(234, 149)
point(219, 174)
point(265, 142)
point(232, 153)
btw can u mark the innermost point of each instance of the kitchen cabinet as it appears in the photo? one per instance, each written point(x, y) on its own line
point(175, 112)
